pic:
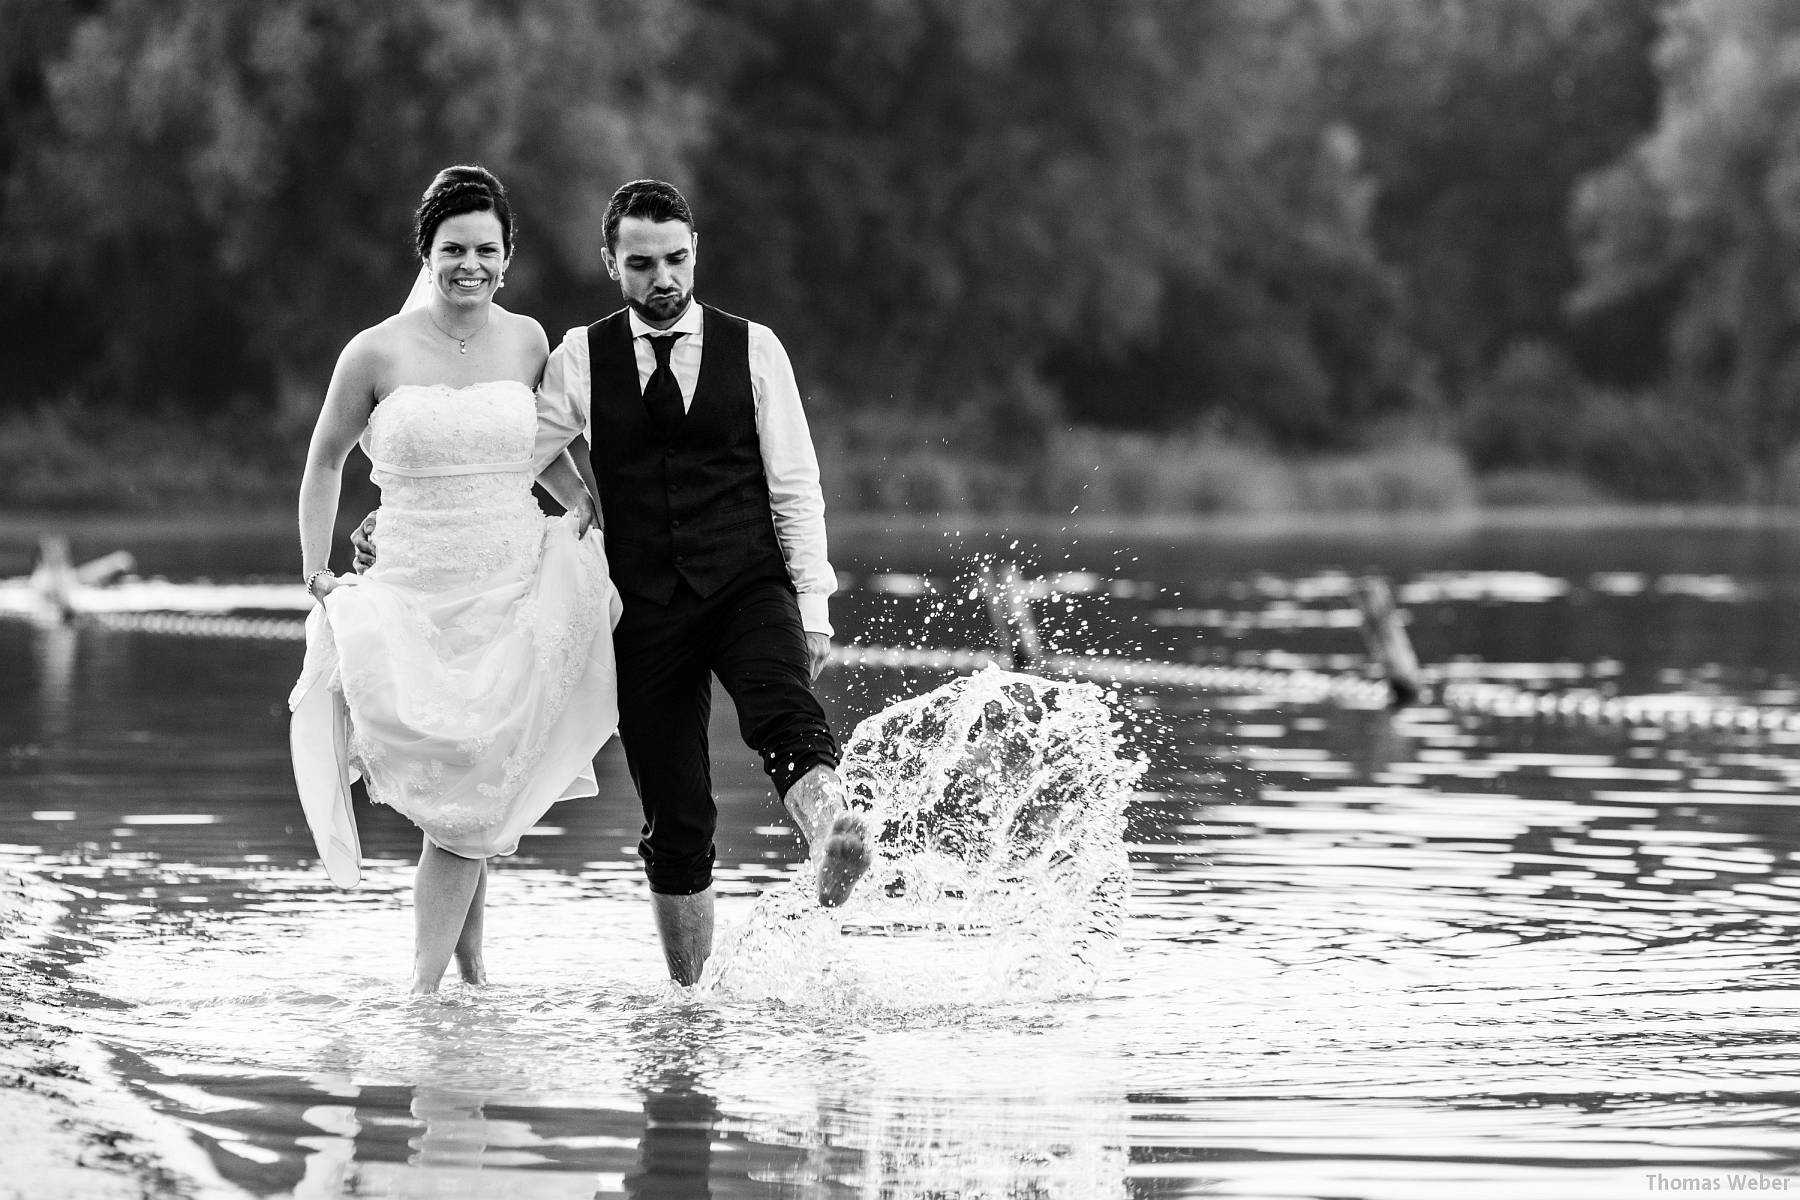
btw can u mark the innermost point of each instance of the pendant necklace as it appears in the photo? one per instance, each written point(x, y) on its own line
point(462, 343)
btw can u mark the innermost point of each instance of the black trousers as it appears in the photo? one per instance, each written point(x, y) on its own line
point(749, 635)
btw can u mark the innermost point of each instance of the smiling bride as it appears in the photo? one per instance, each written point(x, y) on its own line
point(468, 676)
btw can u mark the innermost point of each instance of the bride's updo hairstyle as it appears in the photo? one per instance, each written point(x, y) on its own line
point(455, 191)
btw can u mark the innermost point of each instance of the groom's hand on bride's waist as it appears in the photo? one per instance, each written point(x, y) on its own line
point(362, 539)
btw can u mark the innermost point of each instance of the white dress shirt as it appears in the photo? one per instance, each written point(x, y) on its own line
point(789, 463)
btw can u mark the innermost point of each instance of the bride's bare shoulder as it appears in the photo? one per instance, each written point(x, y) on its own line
point(523, 332)
point(518, 324)
point(372, 354)
point(395, 329)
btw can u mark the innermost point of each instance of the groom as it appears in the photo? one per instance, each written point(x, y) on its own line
point(715, 532)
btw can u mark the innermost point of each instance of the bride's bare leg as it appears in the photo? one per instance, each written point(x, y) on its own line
point(469, 964)
point(442, 890)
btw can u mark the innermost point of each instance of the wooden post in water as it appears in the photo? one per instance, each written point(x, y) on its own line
point(1385, 633)
point(1009, 611)
point(53, 576)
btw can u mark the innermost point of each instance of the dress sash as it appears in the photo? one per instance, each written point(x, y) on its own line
point(523, 464)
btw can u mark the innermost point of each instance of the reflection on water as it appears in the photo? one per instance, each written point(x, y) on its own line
point(1445, 952)
point(55, 665)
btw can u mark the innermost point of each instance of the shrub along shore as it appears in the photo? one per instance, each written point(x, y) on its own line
point(71, 461)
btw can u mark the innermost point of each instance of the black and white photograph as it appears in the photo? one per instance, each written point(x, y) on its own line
point(899, 599)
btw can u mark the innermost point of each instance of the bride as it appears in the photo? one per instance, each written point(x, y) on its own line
point(474, 660)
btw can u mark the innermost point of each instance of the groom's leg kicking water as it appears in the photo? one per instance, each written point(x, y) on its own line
point(762, 660)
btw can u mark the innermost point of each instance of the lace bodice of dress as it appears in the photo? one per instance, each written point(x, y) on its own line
point(454, 468)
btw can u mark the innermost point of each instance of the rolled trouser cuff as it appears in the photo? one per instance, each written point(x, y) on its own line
point(677, 876)
point(788, 765)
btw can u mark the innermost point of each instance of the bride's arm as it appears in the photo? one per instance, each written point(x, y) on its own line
point(348, 401)
point(569, 487)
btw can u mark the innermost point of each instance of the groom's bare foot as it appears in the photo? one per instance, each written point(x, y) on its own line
point(844, 859)
point(837, 836)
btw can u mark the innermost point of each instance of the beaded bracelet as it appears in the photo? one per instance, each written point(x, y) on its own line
point(314, 576)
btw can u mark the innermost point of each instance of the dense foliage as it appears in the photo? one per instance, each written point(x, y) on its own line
point(1558, 233)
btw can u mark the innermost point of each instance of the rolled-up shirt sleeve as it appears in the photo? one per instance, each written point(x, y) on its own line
point(562, 399)
point(792, 470)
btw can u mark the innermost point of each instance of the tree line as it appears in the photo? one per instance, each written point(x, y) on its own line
point(1555, 233)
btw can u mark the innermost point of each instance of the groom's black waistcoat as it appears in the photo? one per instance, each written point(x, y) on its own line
point(694, 504)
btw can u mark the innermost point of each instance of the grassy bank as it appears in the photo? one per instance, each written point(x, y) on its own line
point(73, 457)
point(69, 461)
point(1136, 475)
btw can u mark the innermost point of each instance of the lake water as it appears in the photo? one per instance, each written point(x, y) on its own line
point(1453, 951)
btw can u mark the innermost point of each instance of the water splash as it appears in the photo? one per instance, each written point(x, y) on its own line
point(1000, 871)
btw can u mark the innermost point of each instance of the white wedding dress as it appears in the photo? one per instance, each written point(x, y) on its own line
point(475, 658)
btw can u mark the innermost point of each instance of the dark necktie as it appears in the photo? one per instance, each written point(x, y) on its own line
point(662, 395)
